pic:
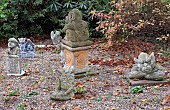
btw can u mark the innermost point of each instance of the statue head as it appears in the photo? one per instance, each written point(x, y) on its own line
point(74, 15)
point(12, 42)
point(22, 40)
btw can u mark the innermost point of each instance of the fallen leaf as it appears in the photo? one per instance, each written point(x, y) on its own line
point(168, 97)
point(8, 87)
point(125, 92)
point(77, 108)
point(45, 90)
point(164, 102)
point(64, 106)
point(141, 94)
point(24, 77)
point(113, 108)
point(144, 101)
point(115, 93)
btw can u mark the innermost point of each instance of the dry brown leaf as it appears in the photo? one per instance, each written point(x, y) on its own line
point(113, 108)
point(45, 90)
point(168, 97)
point(164, 102)
point(11, 80)
point(141, 94)
point(64, 106)
point(35, 86)
point(24, 77)
point(36, 71)
point(77, 108)
point(115, 93)
point(8, 87)
point(125, 92)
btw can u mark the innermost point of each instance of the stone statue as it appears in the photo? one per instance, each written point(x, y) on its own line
point(55, 37)
point(26, 47)
point(76, 30)
point(13, 47)
point(13, 60)
point(65, 88)
point(146, 68)
point(22, 44)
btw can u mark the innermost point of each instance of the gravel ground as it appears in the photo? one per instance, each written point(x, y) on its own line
point(106, 91)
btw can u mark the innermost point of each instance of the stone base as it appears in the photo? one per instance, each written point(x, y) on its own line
point(76, 44)
point(139, 82)
point(82, 73)
point(19, 74)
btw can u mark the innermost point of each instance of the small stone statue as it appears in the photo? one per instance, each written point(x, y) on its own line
point(26, 47)
point(22, 44)
point(55, 37)
point(146, 68)
point(65, 88)
point(13, 61)
point(76, 29)
point(13, 47)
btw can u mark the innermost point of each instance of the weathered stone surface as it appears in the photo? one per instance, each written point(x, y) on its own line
point(146, 68)
point(13, 47)
point(27, 48)
point(76, 44)
point(76, 30)
point(76, 59)
point(146, 82)
point(14, 66)
point(65, 87)
point(55, 37)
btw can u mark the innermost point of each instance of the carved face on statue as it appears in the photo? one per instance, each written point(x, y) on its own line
point(145, 62)
point(74, 15)
point(13, 47)
point(12, 42)
point(145, 67)
point(29, 45)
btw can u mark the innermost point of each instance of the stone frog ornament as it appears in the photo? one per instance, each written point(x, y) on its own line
point(13, 47)
point(146, 68)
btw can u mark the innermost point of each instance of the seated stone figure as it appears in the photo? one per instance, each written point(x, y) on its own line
point(65, 88)
point(76, 30)
point(13, 47)
point(146, 68)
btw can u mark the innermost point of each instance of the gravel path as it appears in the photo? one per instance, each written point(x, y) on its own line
point(108, 90)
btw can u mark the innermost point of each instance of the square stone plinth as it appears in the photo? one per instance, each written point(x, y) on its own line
point(76, 57)
point(139, 82)
point(76, 61)
point(81, 74)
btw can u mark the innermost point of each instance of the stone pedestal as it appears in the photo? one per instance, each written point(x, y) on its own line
point(76, 61)
point(14, 66)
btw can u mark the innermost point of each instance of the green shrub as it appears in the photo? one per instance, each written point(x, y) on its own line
point(30, 17)
point(8, 22)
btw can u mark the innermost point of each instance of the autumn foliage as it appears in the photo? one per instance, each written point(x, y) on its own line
point(147, 18)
